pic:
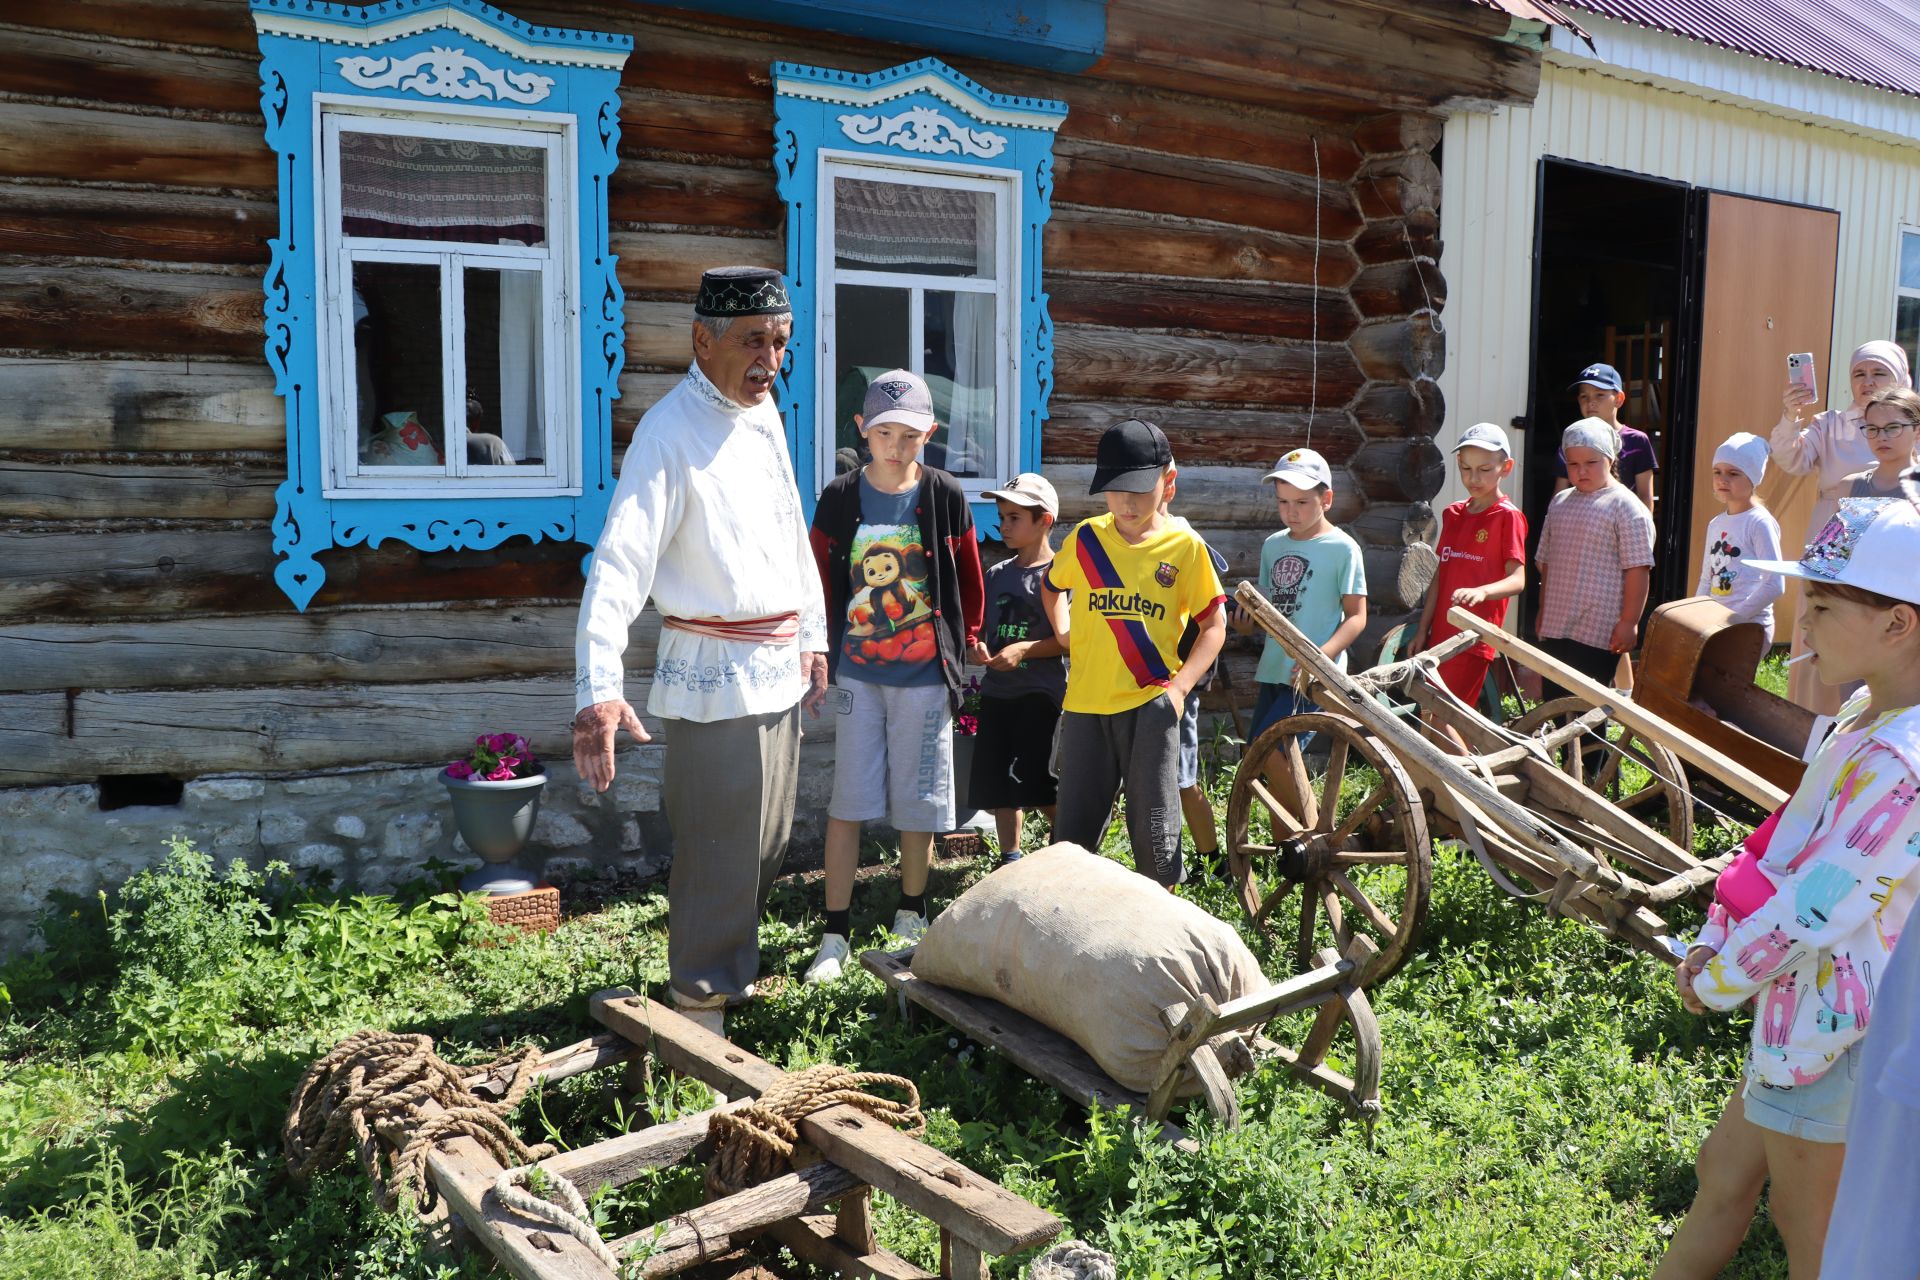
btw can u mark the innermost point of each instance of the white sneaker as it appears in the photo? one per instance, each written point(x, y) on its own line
point(713, 1018)
point(832, 958)
point(910, 925)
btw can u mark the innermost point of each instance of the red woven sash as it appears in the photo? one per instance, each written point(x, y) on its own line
point(772, 629)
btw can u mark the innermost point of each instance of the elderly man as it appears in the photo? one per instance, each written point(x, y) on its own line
point(707, 521)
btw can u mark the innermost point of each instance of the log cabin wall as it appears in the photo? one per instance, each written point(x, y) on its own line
point(140, 439)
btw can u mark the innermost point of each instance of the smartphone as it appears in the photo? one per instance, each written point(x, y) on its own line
point(1674, 947)
point(1800, 372)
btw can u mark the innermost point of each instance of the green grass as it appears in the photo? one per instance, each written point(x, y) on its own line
point(1544, 1092)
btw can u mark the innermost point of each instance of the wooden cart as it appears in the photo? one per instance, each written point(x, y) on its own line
point(978, 1219)
point(1609, 846)
point(1330, 988)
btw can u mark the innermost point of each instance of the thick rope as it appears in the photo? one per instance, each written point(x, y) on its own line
point(565, 1208)
point(376, 1078)
point(757, 1142)
point(1074, 1260)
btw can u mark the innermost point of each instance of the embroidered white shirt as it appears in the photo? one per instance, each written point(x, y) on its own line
point(706, 520)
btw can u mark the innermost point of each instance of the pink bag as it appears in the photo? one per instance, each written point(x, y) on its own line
point(1743, 888)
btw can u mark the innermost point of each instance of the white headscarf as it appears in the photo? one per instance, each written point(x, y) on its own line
point(1890, 354)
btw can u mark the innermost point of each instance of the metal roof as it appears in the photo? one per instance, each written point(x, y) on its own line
point(1870, 42)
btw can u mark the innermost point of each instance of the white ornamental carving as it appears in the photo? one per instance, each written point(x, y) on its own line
point(446, 73)
point(924, 130)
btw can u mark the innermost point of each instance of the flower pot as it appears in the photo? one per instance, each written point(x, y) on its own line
point(495, 819)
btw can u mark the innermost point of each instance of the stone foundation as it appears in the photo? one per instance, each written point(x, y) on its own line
point(372, 829)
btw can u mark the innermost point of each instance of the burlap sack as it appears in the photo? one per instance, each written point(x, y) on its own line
point(1092, 950)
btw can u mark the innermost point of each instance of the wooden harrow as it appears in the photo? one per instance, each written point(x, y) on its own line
point(1582, 805)
point(978, 1219)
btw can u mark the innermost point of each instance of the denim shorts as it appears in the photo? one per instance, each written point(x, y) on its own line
point(1816, 1112)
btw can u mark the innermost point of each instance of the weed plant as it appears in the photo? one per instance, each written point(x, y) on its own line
point(1544, 1092)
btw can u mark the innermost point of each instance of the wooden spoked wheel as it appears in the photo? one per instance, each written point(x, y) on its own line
point(1339, 1050)
point(1637, 775)
point(1353, 841)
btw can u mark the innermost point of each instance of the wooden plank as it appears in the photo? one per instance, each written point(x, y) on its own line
point(960, 1260)
point(1117, 364)
point(812, 1240)
point(921, 1178)
point(378, 646)
point(716, 1229)
point(1205, 308)
point(618, 1161)
point(52, 65)
point(138, 405)
point(89, 307)
point(1201, 433)
point(1103, 240)
point(195, 731)
point(113, 222)
point(122, 490)
point(1215, 190)
point(1681, 743)
point(95, 145)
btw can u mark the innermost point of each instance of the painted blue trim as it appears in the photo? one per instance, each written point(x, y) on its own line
point(1054, 35)
point(811, 108)
point(300, 57)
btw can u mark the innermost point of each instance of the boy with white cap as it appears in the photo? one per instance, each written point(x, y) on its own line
point(1483, 554)
point(1745, 531)
point(896, 552)
point(1313, 573)
point(1026, 677)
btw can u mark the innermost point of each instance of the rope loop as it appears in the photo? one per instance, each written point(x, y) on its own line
point(761, 1140)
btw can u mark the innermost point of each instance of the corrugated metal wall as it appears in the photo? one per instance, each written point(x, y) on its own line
point(1490, 163)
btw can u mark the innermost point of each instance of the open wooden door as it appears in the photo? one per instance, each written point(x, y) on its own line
point(1766, 291)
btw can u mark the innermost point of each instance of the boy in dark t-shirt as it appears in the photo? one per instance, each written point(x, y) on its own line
point(1026, 678)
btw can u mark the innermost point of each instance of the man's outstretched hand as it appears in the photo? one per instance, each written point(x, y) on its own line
point(594, 730)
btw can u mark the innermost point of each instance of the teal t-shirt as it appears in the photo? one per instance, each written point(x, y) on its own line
point(1305, 580)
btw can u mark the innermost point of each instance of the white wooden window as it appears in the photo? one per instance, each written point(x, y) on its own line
point(920, 269)
point(1906, 296)
point(448, 346)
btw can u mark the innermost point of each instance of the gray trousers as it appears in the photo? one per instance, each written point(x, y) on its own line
point(729, 793)
point(1140, 751)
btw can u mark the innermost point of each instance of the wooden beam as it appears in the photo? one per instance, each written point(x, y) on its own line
point(1681, 743)
point(1219, 191)
point(89, 307)
point(1203, 308)
point(89, 144)
point(718, 1228)
point(1105, 240)
point(131, 490)
point(976, 1209)
point(812, 1240)
point(1120, 364)
point(618, 1161)
point(99, 221)
point(181, 404)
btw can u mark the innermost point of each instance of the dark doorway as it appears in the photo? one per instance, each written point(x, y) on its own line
point(1613, 265)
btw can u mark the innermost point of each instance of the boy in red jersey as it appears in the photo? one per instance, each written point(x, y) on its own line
point(1483, 551)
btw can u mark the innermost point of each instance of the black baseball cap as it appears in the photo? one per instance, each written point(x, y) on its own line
point(1131, 456)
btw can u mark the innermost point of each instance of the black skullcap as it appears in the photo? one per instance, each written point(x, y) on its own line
point(742, 291)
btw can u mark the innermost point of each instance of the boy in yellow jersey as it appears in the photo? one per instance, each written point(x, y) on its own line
point(1136, 579)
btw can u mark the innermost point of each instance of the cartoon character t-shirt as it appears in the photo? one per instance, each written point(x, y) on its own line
point(1305, 578)
point(890, 624)
point(1731, 541)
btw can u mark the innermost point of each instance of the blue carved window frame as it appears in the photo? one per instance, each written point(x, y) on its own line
point(921, 115)
point(436, 57)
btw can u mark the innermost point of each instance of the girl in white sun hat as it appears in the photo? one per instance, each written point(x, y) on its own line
point(1807, 948)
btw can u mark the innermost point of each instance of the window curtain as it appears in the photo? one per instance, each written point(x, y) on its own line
point(522, 379)
point(403, 187)
point(892, 224)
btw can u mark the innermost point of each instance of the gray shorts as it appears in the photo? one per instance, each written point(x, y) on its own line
point(1190, 741)
point(893, 756)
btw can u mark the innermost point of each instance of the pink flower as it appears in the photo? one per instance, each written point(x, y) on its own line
point(459, 769)
point(502, 774)
point(508, 762)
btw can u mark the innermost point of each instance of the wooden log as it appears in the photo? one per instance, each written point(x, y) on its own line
point(618, 1161)
point(1399, 288)
point(812, 1240)
point(211, 24)
point(1417, 235)
point(1394, 186)
point(1114, 364)
point(1399, 131)
point(112, 222)
point(1216, 190)
point(95, 145)
point(1681, 743)
point(377, 646)
point(1187, 125)
point(1101, 240)
point(48, 64)
point(664, 192)
point(716, 1229)
point(143, 572)
point(1201, 308)
point(1399, 471)
point(138, 405)
point(1397, 349)
point(1398, 577)
point(1398, 410)
point(578, 1058)
point(47, 738)
point(100, 308)
point(1213, 498)
point(101, 490)
point(667, 264)
point(1386, 524)
point(1200, 433)
point(660, 125)
point(955, 1197)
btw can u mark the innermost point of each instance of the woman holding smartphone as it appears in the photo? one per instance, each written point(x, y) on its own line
point(1831, 446)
